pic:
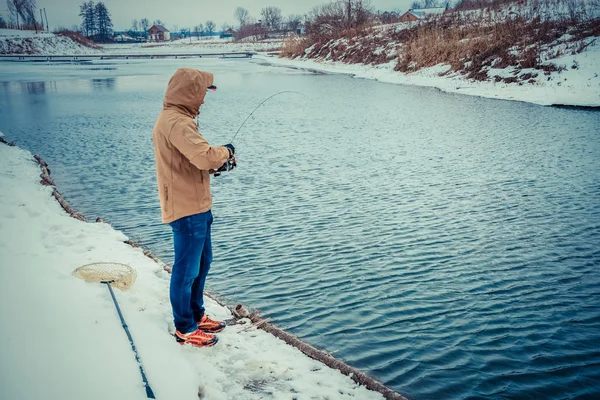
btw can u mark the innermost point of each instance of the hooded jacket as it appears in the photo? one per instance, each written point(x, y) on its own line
point(183, 157)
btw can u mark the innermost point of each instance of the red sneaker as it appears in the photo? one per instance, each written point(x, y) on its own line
point(208, 325)
point(196, 338)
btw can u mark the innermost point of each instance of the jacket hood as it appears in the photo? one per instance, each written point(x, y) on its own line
point(186, 90)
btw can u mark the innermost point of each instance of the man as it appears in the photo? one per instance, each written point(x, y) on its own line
point(184, 162)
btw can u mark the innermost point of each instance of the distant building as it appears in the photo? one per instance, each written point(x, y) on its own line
point(158, 33)
point(420, 13)
point(123, 37)
point(227, 34)
point(387, 17)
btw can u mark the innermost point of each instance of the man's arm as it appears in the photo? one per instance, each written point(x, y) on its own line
point(195, 148)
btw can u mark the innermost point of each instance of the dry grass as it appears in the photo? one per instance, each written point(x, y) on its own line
point(522, 34)
point(293, 46)
point(472, 48)
point(351, 46)
point(77, 37)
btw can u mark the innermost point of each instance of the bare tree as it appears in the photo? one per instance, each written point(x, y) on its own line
point(241, 15)
point(272, 18)
point(135, 25)
point(358, 12)
point(251, 30)
point(210, 27)
point(13, 15)
point(326, 19)
point(30, 11)
point(337, 16)
point(23, 9)
point(293, 22)
point(145, 24)
point(198, 29)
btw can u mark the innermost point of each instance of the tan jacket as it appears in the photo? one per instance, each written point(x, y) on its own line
point(183, 157)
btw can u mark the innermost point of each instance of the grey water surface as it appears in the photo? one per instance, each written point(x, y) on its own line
point(448, 245)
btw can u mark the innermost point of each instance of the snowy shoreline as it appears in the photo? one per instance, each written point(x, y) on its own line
point(59, 348)
point(584, 92)
point(573, 87)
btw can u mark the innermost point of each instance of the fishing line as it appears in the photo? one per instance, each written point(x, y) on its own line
point(258, 106)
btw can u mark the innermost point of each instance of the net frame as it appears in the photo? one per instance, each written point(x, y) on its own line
point(121, 276)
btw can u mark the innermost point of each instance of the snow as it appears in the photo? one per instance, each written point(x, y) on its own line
point(577, 87)
point(61, 337)
point(187, 46)
point(14, 41)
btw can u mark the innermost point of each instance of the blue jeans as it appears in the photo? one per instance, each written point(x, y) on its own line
point(193, 255)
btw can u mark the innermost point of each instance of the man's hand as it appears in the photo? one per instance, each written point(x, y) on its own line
point(231, 162)
point(231, 149)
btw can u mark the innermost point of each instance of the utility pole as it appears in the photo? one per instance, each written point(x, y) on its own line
point(42, 18)
point(48, 29)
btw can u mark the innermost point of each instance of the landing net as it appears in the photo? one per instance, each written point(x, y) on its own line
point(118, 275)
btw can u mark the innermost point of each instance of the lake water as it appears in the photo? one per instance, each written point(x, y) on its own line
point(447, 245)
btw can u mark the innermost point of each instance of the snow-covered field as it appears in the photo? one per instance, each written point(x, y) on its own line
point(186, 46)
point(44, 43)
point(61, 337)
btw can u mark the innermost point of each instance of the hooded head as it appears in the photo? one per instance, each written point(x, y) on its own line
point(186, 90)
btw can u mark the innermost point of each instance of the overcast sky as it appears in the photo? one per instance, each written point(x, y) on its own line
point(183, 13)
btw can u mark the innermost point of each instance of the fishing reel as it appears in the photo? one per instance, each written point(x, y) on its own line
point(230, 164)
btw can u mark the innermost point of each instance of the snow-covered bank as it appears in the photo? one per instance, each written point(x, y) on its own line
point(14, 41)
point(578, 86)
point(61, 337)
point(534, 51)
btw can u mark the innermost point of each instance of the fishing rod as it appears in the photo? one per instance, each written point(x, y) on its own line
point(258, 106)
point(231, 162)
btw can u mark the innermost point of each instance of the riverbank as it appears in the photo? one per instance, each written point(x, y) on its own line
point(13, 41)
point(55, 347)
point(543, 53)
point(576, 83)
point(572, 87)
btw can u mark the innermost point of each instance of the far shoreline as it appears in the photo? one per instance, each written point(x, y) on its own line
point(444, 84)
